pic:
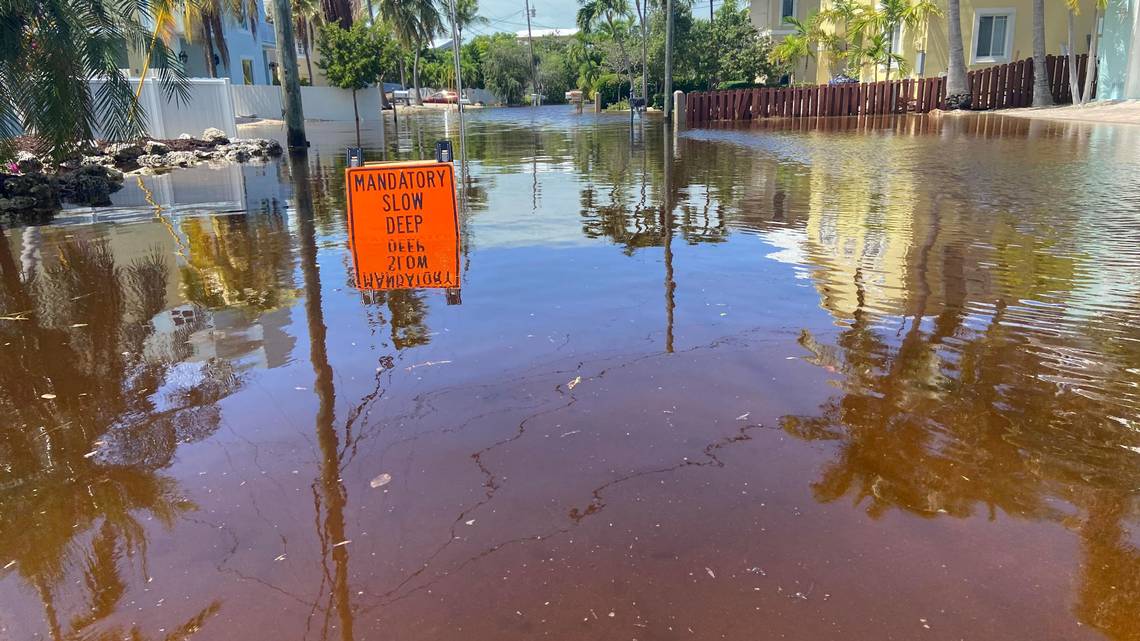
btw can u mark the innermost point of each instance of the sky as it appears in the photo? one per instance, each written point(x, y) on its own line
point(507, 15)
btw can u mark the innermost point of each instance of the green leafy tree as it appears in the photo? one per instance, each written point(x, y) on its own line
point(748, 58)
point(506, 67)
point(354, 58)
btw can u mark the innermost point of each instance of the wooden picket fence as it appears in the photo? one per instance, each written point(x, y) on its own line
point(998, 87)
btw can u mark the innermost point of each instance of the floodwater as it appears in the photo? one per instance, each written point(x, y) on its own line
point(865, 381)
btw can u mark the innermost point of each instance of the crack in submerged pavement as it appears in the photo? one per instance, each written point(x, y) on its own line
point(492, 481)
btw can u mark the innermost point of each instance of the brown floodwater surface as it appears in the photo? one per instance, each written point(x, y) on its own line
point(858, 380)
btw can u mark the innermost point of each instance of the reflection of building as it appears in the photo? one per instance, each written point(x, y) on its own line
point(993, 32)
point(229, 335)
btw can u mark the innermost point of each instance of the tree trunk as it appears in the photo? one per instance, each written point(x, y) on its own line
point(356, 115)
point(309, 60)
point(290, 84)
point(890, 51)
point(208, 43)
point(1042, 95)
point(956, 82)
point(1074, 85)
point(1090, 73)
point(416, 77)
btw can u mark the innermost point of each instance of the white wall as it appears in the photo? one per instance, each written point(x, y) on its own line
point(209, 105)
point(319, 103)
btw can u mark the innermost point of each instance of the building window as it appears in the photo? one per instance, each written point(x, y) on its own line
point(247, 71)
point(993, 35)
point(787, 9)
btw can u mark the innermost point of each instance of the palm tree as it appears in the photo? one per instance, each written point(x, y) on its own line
point(609, 16)
point(1042, 94)
point(415, 22)
point(1090, 73)
point(48, 57)
point(307, 17)
point(586, 60)
point(642, 7)
point(842, 13)
point(957, 87)
point(467, 14)
point(891, 17)
point(797, 46)
point(1074, 8)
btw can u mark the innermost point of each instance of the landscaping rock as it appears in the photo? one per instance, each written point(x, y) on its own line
point(152, 161)
point(205, 154)
point(156, 147)
point(124, 152)
point(180, 158)
point(91, 185)
point(216, 136)
point(105, 161)
point(27, 197)
point(237, 154)
point(27, 163)
point(185, 137)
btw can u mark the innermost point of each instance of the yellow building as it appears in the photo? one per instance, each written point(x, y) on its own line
point(993, 32)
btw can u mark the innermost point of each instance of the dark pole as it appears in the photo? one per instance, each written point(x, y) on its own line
point(716, 51)
point(533, 70)
point(669, 61)
point(290, 85)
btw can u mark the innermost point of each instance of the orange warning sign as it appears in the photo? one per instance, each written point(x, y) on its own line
point(403, 225)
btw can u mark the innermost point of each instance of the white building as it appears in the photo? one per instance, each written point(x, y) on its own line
point(251, 48)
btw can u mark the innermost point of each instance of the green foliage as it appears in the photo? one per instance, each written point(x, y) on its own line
point(744, 54)
point(738, 84)
point(49, 49)
point(555, 76)
point(354, 58)
point(611, 87)
point(506, 68)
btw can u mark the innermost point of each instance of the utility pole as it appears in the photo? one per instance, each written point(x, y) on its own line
point(290, 84)
point(669, 60)
point(533, 70)
point(455, 45)
point(716, 50)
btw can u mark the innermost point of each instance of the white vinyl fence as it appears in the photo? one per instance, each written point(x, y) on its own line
point(319, 103)
point(209, 105)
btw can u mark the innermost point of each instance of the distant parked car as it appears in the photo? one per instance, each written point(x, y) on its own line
point(402, 95)
point(443, 97)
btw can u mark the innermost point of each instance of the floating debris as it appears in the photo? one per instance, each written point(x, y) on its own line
point(382, 480)
point(471, 522)
point(426, 364)
point(47, 396)
point(743, 417)
point(280, 557)
point(574, 383)
point(344, 542)
point(10, 564)
point(711, 573)
point(570, 433)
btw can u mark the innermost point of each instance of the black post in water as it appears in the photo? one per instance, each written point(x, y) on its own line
point(443, 151)
point(355, 156)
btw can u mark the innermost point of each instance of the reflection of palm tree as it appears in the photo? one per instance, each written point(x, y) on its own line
point(328, 490)
point(91, 452)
